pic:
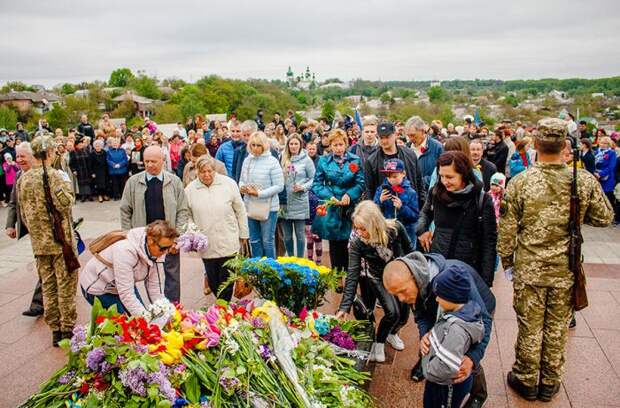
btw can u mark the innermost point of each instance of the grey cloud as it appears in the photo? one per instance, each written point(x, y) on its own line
point(51, 42)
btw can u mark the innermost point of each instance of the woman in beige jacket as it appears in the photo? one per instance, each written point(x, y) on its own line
point(217, 209)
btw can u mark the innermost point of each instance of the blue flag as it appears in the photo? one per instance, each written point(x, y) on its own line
point(477, 120)
point(358, 119)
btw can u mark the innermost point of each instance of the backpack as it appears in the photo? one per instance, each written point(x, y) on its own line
point(104, 241)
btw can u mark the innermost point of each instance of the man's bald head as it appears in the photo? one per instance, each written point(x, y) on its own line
point(153, 160)
point(399, 281)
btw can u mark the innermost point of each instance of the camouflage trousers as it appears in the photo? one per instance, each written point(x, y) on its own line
point(59, 288)
point(543, 314)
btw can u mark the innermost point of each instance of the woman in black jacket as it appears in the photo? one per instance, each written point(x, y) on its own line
point(587, 157)
point(465, 225)
point(99, 167)
point(377, 241)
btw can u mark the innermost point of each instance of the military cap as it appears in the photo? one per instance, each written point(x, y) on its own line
point(42, 144)
point(551, 129)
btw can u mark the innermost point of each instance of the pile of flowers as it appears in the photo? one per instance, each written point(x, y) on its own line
point(251, 354)
point(290, 282)
point(192, 239)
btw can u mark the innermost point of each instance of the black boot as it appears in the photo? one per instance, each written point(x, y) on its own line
point(547, 392)
point(526, 392)
point(33, 312)
point(417, 374)
point(573, 323)
point(56, 337)
point(66, 334)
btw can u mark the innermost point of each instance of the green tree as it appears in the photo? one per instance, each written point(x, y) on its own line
point(438, 94)
point(511, 100)
point(57, 117)
point(168, 113)
point(78, 106)
point(125, 109)
point(190, 100)
point(8, 117)
point(67, 89)
point(16, 86)
point(328, 111)
point(146, 86)
point(120, 77)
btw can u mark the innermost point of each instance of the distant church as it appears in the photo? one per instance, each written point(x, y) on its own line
point(304, 81)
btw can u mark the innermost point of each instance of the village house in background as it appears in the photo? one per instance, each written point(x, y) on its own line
point(40, 101)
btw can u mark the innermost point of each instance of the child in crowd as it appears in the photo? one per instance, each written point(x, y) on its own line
point(456, 330)
point(10, 171)
point(396, 198)
point(314, 243)
point(498, 188)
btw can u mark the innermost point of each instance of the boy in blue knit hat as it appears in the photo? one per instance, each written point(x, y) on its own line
point(396, 198)
point(458, 327)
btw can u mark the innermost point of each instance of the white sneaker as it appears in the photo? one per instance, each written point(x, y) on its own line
point(396, 342)
point(377, 354)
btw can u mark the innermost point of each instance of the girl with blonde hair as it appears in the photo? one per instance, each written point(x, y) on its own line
point(377, 241)
point(299, 172)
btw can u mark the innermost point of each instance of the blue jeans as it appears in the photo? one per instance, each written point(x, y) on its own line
point(300, 236)
point(263, 235)
point(108, 300)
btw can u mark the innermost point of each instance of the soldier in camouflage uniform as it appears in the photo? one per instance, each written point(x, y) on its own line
point(533, 241)
point(58, 284)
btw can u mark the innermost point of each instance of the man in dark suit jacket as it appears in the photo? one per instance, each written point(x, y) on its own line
point(486, 167)
point(14, 226)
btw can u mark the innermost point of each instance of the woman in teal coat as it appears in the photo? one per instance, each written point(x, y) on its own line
point(338, 178)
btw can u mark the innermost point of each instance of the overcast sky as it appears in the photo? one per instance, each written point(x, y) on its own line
point(49, 42)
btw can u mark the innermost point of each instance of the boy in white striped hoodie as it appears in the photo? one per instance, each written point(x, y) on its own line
point(457, 328)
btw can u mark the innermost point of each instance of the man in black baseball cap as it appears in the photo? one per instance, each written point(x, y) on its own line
point(385, 129)
point(388, 149)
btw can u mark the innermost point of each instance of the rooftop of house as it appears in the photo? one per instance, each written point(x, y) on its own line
point(40, 96)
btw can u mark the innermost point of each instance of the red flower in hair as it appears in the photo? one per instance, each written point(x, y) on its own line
point(354, 167)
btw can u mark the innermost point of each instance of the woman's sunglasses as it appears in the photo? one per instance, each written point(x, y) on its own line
point(163, 248)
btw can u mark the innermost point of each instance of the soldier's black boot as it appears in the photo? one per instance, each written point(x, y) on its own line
point(573, 323)
point(547, 392)
point(417, 374)
point(56, 337)
point(66, 334)
point(33, 312)
point(526, 392)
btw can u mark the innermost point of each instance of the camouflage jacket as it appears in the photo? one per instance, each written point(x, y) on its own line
point(533, 229)
point(34, 212)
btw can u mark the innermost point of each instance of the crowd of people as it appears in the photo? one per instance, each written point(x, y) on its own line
point(413, 212)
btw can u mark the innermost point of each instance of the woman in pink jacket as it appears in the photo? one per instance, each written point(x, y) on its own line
point(111, 276)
